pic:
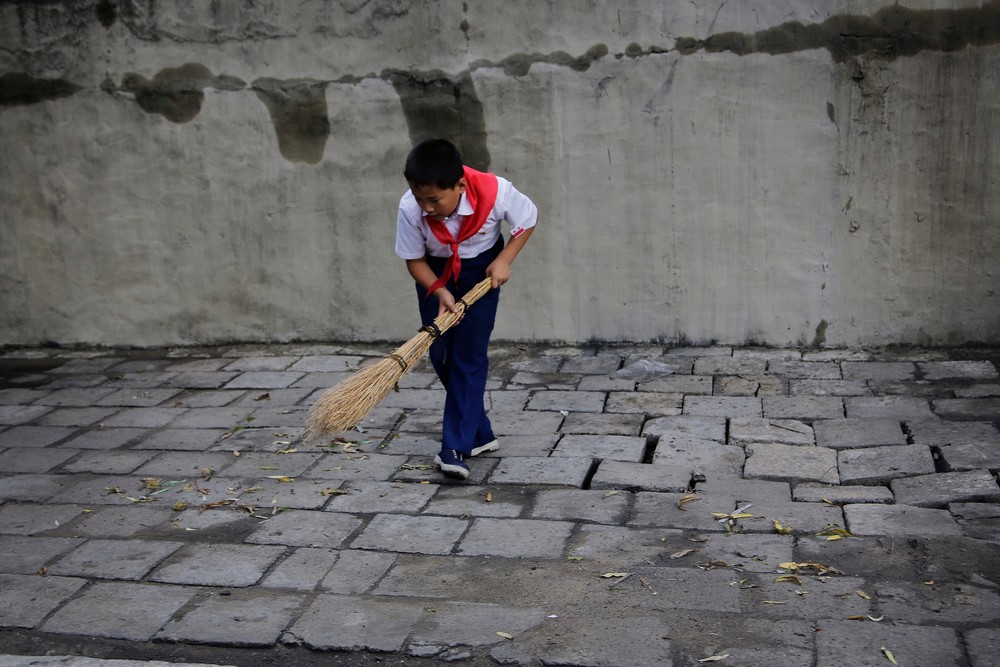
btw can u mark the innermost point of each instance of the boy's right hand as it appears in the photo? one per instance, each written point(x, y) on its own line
point(446, 301)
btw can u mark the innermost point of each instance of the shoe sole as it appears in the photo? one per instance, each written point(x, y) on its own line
point(453, 470)
point(488, 447)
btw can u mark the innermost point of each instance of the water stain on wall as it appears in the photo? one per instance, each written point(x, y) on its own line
point(890, 33)
point(176, 93)
point(20, 89)
point(438, 106)
point(299, 113)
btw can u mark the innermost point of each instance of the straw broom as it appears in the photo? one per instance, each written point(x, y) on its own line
point(344, 405)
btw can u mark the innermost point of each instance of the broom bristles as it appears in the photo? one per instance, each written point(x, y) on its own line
point(345, 405)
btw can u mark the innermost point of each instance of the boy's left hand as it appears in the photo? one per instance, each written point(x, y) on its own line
point(499, 271)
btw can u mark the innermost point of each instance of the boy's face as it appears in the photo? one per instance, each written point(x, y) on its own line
point(436, 202)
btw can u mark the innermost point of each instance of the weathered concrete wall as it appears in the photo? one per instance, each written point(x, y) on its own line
point(781, 172)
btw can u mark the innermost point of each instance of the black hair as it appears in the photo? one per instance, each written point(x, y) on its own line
point(434, 162)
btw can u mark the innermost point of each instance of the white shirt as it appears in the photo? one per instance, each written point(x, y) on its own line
point(414, 238)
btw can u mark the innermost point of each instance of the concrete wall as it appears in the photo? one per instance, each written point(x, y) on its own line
point(770, 171)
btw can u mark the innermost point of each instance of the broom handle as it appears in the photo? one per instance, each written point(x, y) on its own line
point(447, 320)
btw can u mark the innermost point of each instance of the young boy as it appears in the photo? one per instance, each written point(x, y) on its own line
point(448, 231)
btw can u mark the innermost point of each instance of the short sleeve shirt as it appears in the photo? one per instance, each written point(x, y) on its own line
point(414, 239)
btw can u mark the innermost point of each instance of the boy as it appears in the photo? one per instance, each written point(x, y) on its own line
point(448, 231)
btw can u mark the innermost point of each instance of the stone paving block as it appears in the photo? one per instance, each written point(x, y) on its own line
point(608, 642)
point(29, 519)
point(649, 403)
point(125, 521)
point(300, 494)
point(471, 624)
point(515, 538)
point(105, 438)
point(811, 370)
point(745, 431)
point(301, 528)
point(119, 610)
point(707, 351)
point(21, 414)
point(722, 406)
point(854, 433)
point(114, 559)
point(247, 617)
point(605, 383)
point(263, 380)
point(801, 518)
point(897, 407)
point(524, 445)
point(569, 401)
point(80, 397)
point(578, 505)
point(771, 354)
point(841, 495)
point(201, 379)
point(753, 490)
point(879, 465)
point(551, 381)
point(302, 570)
point(422, 469)
point(613, 447)
point(705, 428)
point(828, 388)
point(425, 399)
point(878, 370)
point(942, 370)
point(982, 644)
point(525, 423)
point(411, 534)
point(507, 400)
point(968, 408)
point(274, 439)
point(590, 365)
point(620, 548)
point(255, 464)
point(176, 465)
point(143, 417)
point(701, 458)
point(899, 520)
point(138, 397)
point(224, 418)
point(813, 598)
point(803, 407)
point(939, 489)
point(357, 571)
point(465, 501)
point(791, 463)
point(75, 416)
point(683, 588)
point(345, 623)
point(34, 436)
point(20, 397)
point(36, 487)
point(749, 385)
point(836, 355)
point(937, 433)
point(971, 457)
point(373, 497)
point(743, 552)
point(25, 600)
point(28, 554)
point(679, 384)
point(860, 645)
point(86, 490)
point(729, 366)
point(185, 439)
point(260, 363)
point(327, 363)
point(939, 604)
point(218, 565)
point(662, 510)
point(564, 471)
point(587, 423)
point(983, 390)
point(663, 477)
point(34, 460)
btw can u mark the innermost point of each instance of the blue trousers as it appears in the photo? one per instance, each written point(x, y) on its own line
point(460, 356)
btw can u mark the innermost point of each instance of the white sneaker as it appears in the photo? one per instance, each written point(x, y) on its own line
point(491, 446)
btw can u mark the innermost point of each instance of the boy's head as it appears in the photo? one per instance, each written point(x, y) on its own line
point(435, 173)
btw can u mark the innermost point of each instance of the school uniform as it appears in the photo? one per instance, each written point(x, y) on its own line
point(459, 355)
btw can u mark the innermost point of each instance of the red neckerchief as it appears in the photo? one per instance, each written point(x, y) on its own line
point(481, 192)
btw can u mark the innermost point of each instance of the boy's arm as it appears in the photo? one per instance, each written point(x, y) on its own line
point(499, 269)
point(421, 272)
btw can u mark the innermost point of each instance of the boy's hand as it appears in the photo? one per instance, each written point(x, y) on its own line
point(446, 301)
point(499, 271)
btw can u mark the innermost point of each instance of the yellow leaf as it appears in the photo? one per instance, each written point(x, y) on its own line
point(180, 506)
point(929, 582)
point(489, 497)
point(713, 658)
point(688, 498)
point(505, 635)
point(281, 478)
point(889, 655)
point(831, 538)
point(782, 530)
point(615, 575)
point(290, 450)
point(790, 578)
point(611, 493)
point(682, 553)
point(772, 602)
point(862, 594)
point(855, 618)
point(43, 570)
point(574, 558)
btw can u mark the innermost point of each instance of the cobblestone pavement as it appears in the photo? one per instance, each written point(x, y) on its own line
point(648, 506)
